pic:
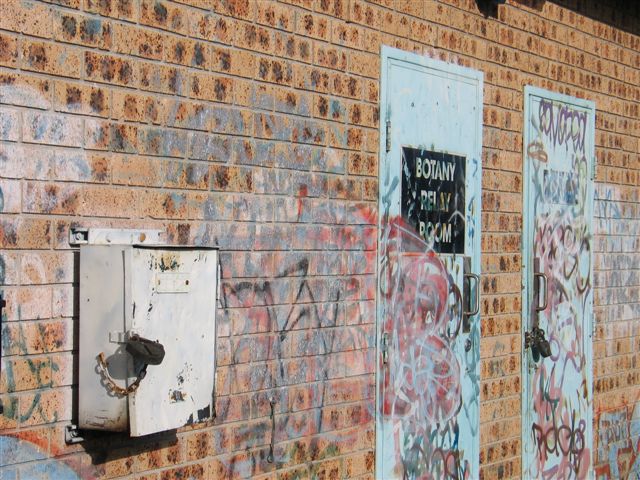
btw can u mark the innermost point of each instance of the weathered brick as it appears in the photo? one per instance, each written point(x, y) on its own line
point(136, 170)
point(292, 47)
point(124, 138)
point(131, 40)
point(237, 8)
point(275, 71)
point(275, 15)
point(312, 25)
point(8, 50)
point(111, 202)
point(308, 78)
point(233, 179)
point(272, 126)
point(254, 38)
point(25, 233)
point(52, 405)
point(9, 124)
point(25, 90)
point(30, 18)
point(163, 79)
point(162, 142)
point(186, 175)
point(124, 9)
point(82, 99)
point(109, 69)
point(156, 204)
point(51, 198)
point(51, 58)
point(212, 27)
point(365, 64)
point(206, 86)
point(97, 134)
point(52, 129)
point(135, 107)
point(188, 52)
point(26, 374)
point(162, 14)
point(211, 147)
point(234, 62)
point(46, 267)
point(81, 30)
point(189, 115)
point(10, 196)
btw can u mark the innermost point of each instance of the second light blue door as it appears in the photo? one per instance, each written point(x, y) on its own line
point(557, 283)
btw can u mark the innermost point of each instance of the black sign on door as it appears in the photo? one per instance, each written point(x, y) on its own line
point(433, 197)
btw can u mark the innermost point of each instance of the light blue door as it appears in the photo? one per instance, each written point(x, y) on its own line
point(557, 296)
point(428, 265)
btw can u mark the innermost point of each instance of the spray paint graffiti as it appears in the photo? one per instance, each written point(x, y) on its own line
point(563, 125)
point(29, 460)
point(618, 454)
point(422, 390)
point(331, 350)
point(309, 349)
point(618, 428)
point(558, 438)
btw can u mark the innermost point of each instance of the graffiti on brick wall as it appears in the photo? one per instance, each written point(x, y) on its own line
point(618, 453)
point(300, 347)
point(618, 429)
point(562, 245)
point(281, 357)
point(21, 458)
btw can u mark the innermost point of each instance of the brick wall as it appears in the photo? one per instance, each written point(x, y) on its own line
point(254, 126)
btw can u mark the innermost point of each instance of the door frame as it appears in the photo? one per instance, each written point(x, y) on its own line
point(528, 286)
point(387, 56)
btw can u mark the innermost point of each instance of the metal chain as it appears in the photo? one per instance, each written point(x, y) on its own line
point(110, 382)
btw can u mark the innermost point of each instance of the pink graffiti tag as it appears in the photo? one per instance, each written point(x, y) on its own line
point(422, 387)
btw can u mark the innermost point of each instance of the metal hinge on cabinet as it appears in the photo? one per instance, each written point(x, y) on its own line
point(388, 136)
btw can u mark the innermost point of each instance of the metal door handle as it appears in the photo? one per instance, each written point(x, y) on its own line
point(545, 282)
point(476, 307)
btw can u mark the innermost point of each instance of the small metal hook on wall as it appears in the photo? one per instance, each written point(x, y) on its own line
point(272, 403)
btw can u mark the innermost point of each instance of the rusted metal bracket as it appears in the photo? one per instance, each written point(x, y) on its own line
point(72, 435)
point(113, 236)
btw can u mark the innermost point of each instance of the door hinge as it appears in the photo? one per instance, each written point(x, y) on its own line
point(388, 136)
point(594, 162)
point(384, 347)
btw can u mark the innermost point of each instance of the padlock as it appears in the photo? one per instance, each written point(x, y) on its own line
point(542, 344)
point(146, 351)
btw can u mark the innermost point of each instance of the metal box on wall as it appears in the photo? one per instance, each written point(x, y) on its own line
point(157, 298)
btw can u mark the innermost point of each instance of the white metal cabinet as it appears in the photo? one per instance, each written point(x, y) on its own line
point(164, 294)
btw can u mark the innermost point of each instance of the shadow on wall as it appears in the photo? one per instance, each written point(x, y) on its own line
point(620, 14)
point(489, 8)
point(26, 453)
